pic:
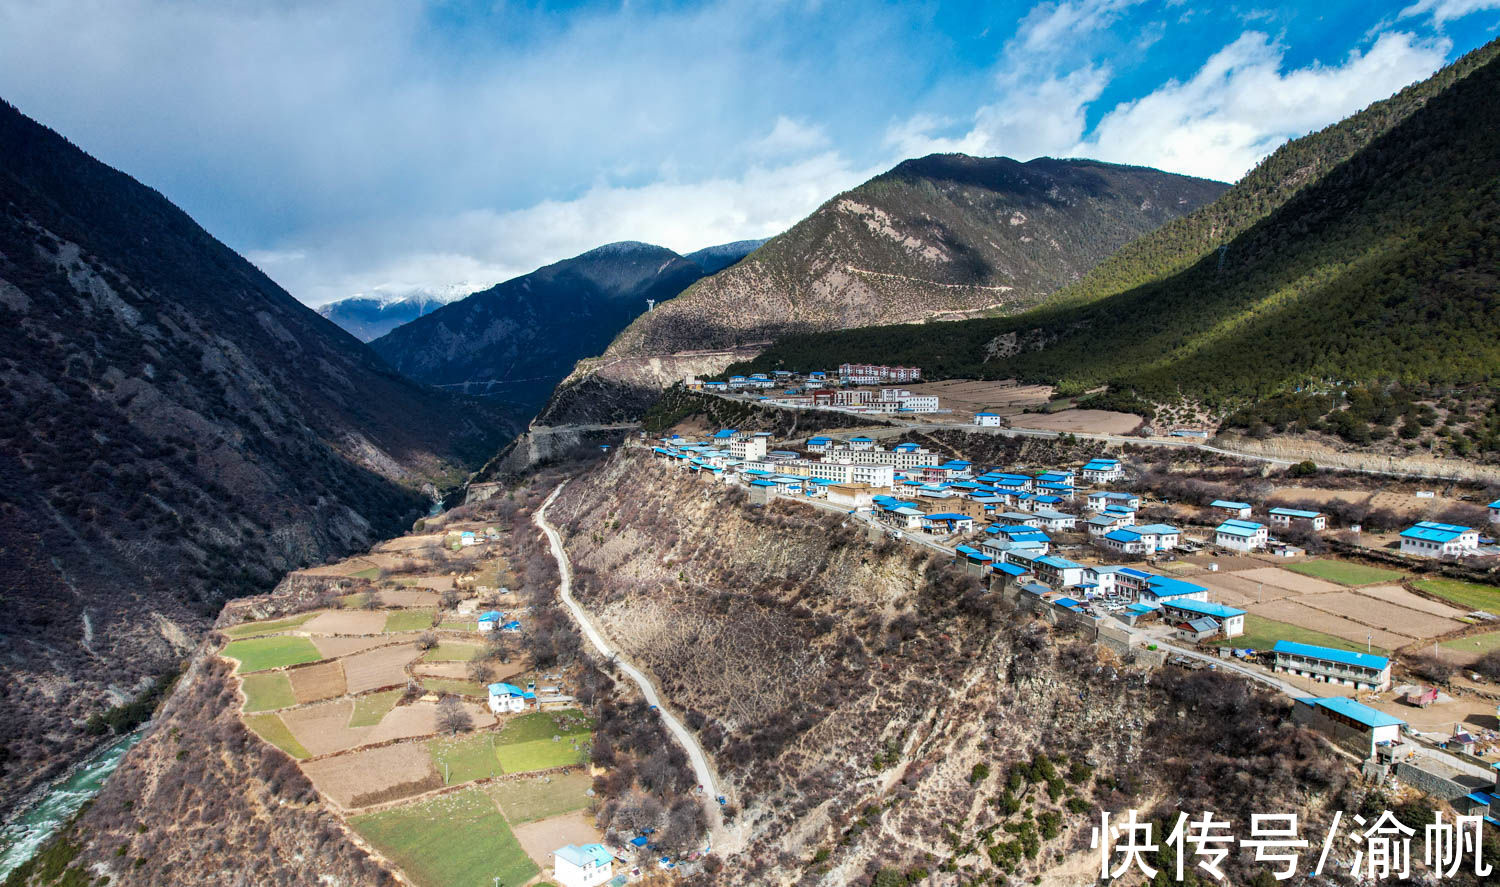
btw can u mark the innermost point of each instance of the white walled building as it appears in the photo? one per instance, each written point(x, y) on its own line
point(1429, 539)
point(1291, 517)
point(582, 866)
point(987, 419)
point(1241, 535)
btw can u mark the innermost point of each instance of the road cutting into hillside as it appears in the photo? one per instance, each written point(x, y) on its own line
point(723, 841)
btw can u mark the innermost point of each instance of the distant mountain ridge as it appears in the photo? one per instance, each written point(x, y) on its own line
point(515, 341)
point(937, 237)
point(369, 317)
point(179, 430)
point(713, 259)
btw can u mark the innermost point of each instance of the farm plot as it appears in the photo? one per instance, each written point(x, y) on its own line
point(368, 710)
point(277, 651)
point(323, 729)
point(1293, 582)
point(1473, 647)
point(1373, 611)
point(1469, 595)
point(347, 622)
point(345, 646)
point(403, 597)
point(454, 686)
point(540, 838)
point(540, 797)
point(541, 741)
point(381, 667)
point(408, 620)
point(456, 840)
point(453, 671)
point(374, 775)
point(1300, 614)
point(452, 651)
point(272, 729)
point(269, 626)
point(312, 683)
point(267, 690)
point(1344, 573)
point(1229, 588)
point(1402, 598)
point(465, 758)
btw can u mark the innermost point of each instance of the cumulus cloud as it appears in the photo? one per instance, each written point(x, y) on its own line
point(1241, 105)
point(1444, 11)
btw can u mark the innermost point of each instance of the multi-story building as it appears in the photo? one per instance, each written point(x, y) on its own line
point(1362, 671)
point(1241, 535)
point(1292, 517)
point(1429, 539)
point(875, 374)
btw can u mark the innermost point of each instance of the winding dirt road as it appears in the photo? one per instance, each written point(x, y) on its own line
point(723, 840)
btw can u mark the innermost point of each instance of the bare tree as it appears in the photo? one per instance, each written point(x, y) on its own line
point(480, 671)
point(451, 715)
point(427, 640)
point(448, 599)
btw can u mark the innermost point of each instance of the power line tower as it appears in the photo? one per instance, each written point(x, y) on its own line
point(650, 304)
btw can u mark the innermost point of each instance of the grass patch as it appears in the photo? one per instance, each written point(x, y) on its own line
point(527, 743)
point(354, 601)
point(264, 692)
point(371, 574)
point(1262, 634)
point(259, 654)
point(457, 840)
point(527, 800)
point(1469, 595)
point(408, 620)
point(273, 729)
point(271, 626)
point(450, 651)
point(458, 625)
point(465, 758)
point(370, 710)
point(1344, 573)
point(454, 685)
point(1478, 644)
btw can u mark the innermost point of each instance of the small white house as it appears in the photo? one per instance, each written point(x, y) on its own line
point(582, 866)
point(1429, 539)
point(1099, 471)
point(1292, 517)
point(1236, 510)
point(1241, 535)
point(509, 698)
point(1231, 620)
point(490, 620)
point(987, 419)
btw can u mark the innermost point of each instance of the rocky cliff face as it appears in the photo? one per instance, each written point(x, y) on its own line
point(941, 237)
point(874, 709)
point(179, 430)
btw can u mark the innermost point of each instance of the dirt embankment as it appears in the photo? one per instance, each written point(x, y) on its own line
point(851, 691)
point(1297, 449)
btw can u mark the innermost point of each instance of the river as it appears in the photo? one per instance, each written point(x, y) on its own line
point(24, 835)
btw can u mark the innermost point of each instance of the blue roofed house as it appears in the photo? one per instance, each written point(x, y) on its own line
point(1160, 589)
point(1352, 725)
point(1100, 524)
point(1058, 572)
point(1495, 511)
point(947, 523)
point(818, 444)
point(490, 620)
point(1229, 620)
point(1100, 471)
point(508, 697)
point(990, 419)
point(1430, 539)
point(1362, 671)
point(1241, 535)
point(1240, 510)
point(582, 866)
point(1099, 500)
point(1055, 520)
point(1298, 518)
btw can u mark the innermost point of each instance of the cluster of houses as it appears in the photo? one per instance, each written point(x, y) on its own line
point(819, 389)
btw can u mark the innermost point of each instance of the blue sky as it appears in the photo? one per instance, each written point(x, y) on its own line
point(387, 146)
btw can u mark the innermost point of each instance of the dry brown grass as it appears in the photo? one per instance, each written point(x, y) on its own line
point(325, 680)
point(363, 622)
point(542, 837)
point(347, 646)
point(375, 775)
point(383, 667)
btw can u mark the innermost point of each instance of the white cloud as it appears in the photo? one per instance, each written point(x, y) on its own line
point(1444, 11)
point(791, 137)
point(1241, 105)
point(478, 248)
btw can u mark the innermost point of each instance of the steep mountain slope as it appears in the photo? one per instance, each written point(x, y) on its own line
point(178, 430)
point(517, 340)
point(1382, 271)
point(943, 236)
point(368, 318)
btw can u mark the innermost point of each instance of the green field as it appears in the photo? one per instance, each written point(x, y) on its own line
point(452, 651)
point(273, 730)
point(408, 620)
point(526, 743)
point(1344, 573)
point(527, 800)
point(465, 758)
point(452, 685)
point(259, 654)
point(371, 574)
point(354, 601)
point(456, 840)
point(459, 625)
point(264, 692)
point(271, 626)
point(370, 709)
point(1478, 644)
point(1469, 595)
point(1262, 634)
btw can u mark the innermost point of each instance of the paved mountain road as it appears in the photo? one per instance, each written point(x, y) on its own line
point(723, 840)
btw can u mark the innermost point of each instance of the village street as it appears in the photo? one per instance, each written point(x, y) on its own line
point(724, 841)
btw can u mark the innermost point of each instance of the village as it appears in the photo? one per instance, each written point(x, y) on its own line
point(1226, 585)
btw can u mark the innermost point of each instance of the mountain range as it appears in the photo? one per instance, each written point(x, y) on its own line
point(369, 317)
point(179, 430)
point(515, 341)
point(1360, 255)
point(940, 237)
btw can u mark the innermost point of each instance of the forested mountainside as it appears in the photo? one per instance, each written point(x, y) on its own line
point(179, 430)
point(1382, 272)
point(515, 341)
point(368, 318)
point(938, 237)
